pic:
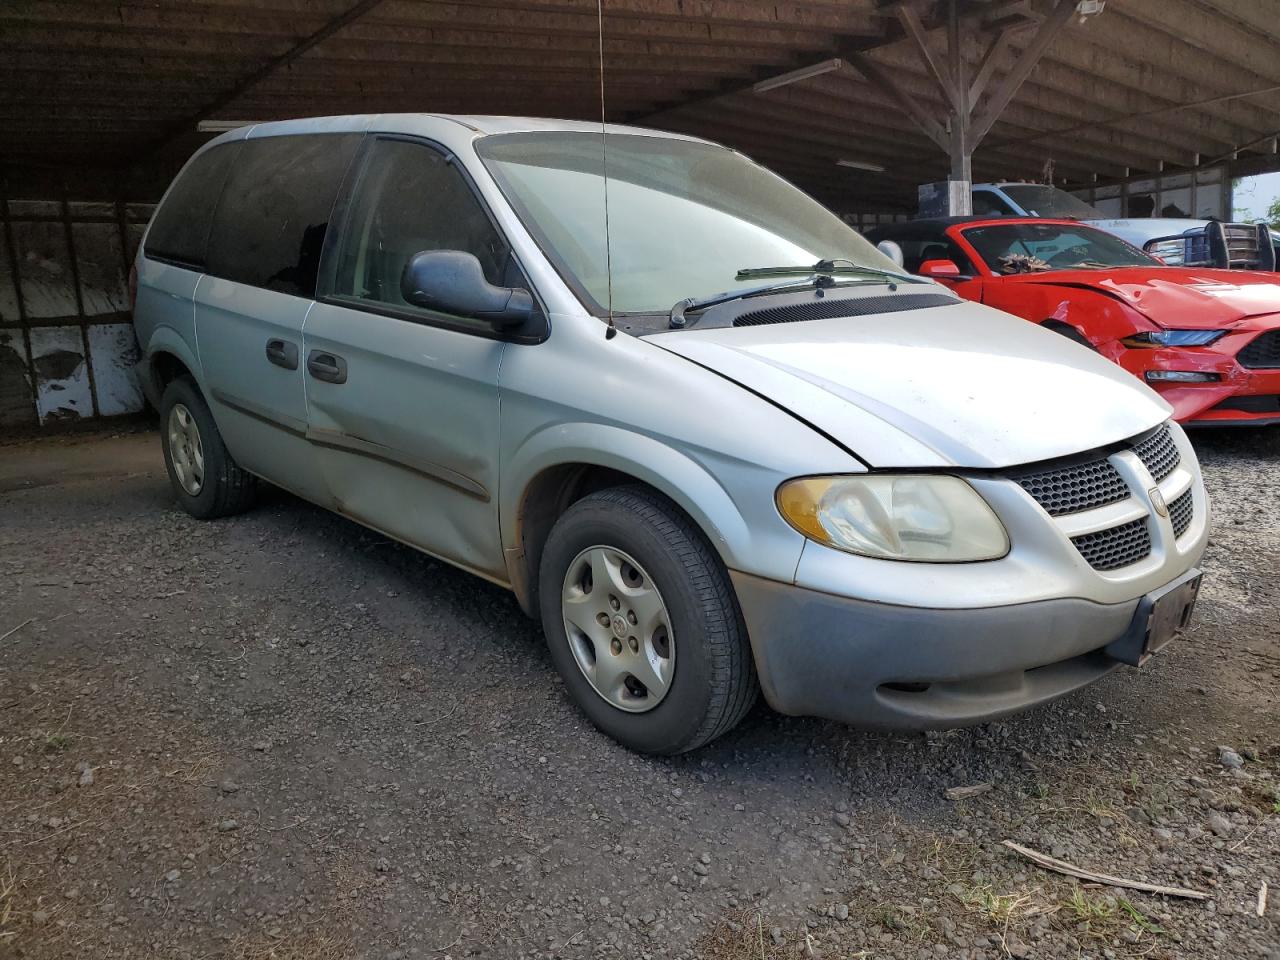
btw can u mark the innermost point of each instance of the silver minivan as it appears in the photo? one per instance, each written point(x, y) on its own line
point(709, 436)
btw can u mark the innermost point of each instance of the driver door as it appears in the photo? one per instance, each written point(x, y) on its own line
point(402, 402)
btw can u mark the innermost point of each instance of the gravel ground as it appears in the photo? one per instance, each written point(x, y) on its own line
point(282, 736)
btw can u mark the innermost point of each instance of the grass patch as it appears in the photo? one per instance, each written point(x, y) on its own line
point(745, 936)
point(998, 908)
point(903, 920)
point(1098, 807)
point(1154, 799)
point(1139, 919)
point(1105, 916)
point(952, 858)
point(306, 947)
point(1090, 910)
point(57, 742)
point(1263, 798)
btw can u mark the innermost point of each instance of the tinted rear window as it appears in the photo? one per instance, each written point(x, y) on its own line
point(270, 226)
point(180, 229)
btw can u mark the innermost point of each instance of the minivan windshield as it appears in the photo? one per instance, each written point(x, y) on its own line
point(683, 217)
point(1042, 200)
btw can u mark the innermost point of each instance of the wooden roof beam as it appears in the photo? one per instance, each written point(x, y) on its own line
point(1004, 91)
point(944, 78)
point(913, 108)
point(220, 101)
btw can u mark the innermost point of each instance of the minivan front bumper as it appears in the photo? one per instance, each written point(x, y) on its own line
point(894, 667)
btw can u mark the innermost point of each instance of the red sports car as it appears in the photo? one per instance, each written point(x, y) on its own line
point(1207, 340)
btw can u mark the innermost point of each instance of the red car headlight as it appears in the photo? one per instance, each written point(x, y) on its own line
point(1172, 338)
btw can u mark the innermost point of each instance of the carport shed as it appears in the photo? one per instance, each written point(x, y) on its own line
point(857, 101)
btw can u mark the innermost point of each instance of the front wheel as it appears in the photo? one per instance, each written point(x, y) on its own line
point(1071, 333)
point(642, 623)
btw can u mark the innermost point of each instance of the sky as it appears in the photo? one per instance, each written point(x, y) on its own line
point(1254, 194)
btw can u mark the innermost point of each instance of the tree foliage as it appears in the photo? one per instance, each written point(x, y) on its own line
point(1273, 213)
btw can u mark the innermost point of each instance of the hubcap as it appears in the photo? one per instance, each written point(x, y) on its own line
point(618, 628)
point(185, 449)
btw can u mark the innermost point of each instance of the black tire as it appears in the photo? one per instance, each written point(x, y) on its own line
point(1071, 333)
point(225, 489)
point(714, 682)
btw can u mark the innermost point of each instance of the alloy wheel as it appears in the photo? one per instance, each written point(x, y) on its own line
point(618, 628)
point(185, 449)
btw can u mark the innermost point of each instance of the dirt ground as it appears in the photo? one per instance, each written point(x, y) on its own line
point(282, 736)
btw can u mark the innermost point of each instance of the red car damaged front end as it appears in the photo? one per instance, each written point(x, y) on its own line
point(1235, 379)
point(1207, 340)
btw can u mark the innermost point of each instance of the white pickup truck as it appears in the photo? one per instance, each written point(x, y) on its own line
point(1177, 241)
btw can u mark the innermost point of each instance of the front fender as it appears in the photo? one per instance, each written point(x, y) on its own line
point(747, 534)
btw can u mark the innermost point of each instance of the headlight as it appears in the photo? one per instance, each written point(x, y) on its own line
point(1189, 250)
point(1181, 376)
point(1172, 252)
point(1173, 338)
point(937, 519)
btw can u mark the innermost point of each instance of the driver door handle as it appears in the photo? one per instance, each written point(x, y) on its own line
point(326, 366)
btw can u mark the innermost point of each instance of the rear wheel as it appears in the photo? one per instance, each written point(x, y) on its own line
point(206, 481)
point(642, 623)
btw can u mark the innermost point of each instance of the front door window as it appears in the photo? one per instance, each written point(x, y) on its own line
point(411, 198)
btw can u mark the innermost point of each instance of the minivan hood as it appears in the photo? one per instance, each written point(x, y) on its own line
point(961, 385)
point(1180, 297)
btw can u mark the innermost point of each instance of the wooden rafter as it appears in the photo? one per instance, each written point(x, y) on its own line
point(987, 65)
point(1022, 67)
point(882, 78)
point(944, 79)
point(227, 97)
point(1151, 82)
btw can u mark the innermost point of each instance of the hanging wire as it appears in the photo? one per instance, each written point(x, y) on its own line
point(612, 330)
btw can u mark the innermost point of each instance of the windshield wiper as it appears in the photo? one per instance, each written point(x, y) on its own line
point(677, 315)
point(819, 275)
point(827, 268)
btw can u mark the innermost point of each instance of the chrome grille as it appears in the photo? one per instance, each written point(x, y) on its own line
point(1072, 489)
point(1180, 513)
point(1262, 352)
point(1117, 547)
point(1159, 453)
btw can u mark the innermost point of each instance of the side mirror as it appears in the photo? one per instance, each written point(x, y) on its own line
point(452, 281)
point(940, 270)
point(890, 250)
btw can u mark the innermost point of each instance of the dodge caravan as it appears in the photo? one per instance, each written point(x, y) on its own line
point(707, 434)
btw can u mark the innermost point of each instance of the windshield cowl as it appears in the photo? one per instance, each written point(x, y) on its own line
point(854, 302)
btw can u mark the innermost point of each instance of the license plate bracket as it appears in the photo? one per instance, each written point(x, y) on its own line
point(1161, 616)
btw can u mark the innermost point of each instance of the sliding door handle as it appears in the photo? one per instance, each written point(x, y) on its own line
point(283, 353)
point(326, 366)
